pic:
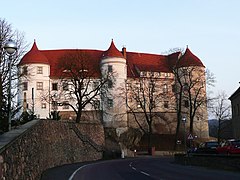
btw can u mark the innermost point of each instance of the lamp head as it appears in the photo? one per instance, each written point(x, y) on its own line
point(10, 46)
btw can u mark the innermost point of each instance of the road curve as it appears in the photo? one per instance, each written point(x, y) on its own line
point(147, 169)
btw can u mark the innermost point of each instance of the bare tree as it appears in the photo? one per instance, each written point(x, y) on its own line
point(221, 110)
point(145, 96)
point(6, 33)
point(190, 93)
point(86, 86)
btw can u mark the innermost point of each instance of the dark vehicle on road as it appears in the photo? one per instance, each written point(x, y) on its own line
point(208, 147)
point(229, 147)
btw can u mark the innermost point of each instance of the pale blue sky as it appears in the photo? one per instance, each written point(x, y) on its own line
point(210, 28)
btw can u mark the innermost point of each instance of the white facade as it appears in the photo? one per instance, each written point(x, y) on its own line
point(117, 112)
point(41, 89)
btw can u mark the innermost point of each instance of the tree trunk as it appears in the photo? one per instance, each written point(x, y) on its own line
point(79, 114)
point(179, 118)
point(150, 136)
point(177, 130)
point(191, 125)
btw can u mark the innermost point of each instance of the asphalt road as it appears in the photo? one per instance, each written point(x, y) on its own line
point(148, 168)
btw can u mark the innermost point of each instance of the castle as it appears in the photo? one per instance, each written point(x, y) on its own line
point(41, 76)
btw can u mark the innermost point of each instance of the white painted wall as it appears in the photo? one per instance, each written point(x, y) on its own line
point(116, 115)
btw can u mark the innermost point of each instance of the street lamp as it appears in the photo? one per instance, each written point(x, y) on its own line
point(10, 47)
point(184, 120)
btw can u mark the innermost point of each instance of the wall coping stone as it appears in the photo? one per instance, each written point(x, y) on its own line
point(8, 137)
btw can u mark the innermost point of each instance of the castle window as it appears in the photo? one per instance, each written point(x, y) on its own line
point(25, 86)
point(39, 70)
point(54, 86)
point(110, 103)
point(39, 85)
point(186, 103)
point(25, 70)
point(65, 86)
point(110, 69)
point(166, 104)
point(174, 88)
point(96, 104)
point(110, 83)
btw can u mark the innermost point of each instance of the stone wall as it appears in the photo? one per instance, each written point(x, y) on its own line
point(46, 144)
point(163, 123)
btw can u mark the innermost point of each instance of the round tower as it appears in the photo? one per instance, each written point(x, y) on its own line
point(34, 68)
point(192, 74)
point(113, 65)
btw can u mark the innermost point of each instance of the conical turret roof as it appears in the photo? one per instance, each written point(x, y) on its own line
point(112, 52)
point(34, 56)
point(189, 59)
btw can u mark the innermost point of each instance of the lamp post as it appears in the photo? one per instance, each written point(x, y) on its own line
point(184, 120)
point(10, 47)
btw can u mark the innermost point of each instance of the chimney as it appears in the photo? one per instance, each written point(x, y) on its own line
point(124, 52)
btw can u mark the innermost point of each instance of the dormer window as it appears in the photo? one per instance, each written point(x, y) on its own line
point(83, 70)
point(39, 70)
point(66, 71)
point(157, 74)
point(167, 74)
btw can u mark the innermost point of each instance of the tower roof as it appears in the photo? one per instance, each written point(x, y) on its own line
point(189, 59)
point(135, 61)
point(34, 56)
point(112, 52)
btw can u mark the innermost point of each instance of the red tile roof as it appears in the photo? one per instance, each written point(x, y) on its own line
point(34, 56)
point(54, 56)
point(112, 52)
point(145, 62)
point(140, 61)
point(189, 59)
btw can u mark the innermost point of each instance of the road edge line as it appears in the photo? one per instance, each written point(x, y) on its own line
point(73, 174)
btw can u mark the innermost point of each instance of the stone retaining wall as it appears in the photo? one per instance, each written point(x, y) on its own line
point(44, 145)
